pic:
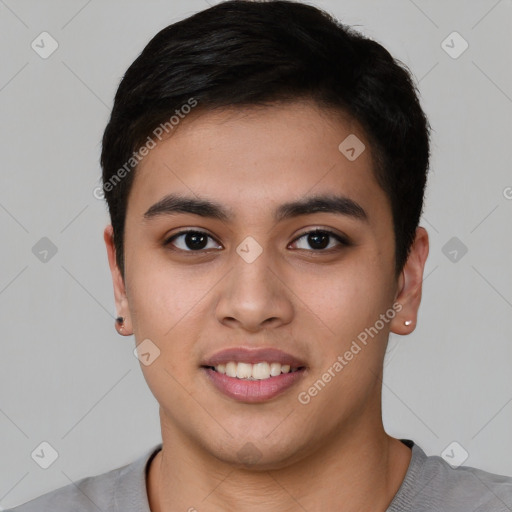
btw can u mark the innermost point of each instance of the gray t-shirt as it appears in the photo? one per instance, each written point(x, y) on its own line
point(430, 485)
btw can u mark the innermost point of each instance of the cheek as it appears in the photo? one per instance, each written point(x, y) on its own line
point(167, 306)
point(349, 297)
point(351, 303)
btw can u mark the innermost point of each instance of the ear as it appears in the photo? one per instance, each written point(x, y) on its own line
point(118, 282)
point(410, 285)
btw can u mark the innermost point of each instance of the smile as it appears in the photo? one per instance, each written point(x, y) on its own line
point(252, 375)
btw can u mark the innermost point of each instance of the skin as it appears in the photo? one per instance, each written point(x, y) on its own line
point(333, 453)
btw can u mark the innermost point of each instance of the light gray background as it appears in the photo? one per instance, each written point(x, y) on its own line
point(66, 376)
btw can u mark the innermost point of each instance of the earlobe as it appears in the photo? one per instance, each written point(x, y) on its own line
point(409, 285)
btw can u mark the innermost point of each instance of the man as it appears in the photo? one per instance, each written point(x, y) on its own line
point(264, 168)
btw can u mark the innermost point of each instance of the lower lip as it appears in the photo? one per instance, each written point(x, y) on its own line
point(253, 391)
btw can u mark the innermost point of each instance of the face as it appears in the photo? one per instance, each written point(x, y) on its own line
point(254, 285)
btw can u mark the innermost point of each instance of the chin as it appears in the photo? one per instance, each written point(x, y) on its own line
point(259, 453)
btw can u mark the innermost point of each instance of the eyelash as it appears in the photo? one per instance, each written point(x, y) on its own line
point(342, 240)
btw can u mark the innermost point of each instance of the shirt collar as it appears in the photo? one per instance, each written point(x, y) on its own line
point(130, 488)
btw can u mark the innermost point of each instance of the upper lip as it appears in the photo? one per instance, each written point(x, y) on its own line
point(246, 355)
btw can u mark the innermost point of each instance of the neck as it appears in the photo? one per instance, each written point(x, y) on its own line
point(360, 471)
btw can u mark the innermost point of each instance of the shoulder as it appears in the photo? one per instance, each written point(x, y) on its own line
point(481, 490)
point(118, 489)
point(433, 484)
point(88, 494)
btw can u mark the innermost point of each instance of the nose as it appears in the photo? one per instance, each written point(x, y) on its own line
point(254, 295)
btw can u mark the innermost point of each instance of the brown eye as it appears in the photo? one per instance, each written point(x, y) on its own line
point(190, 241)
point(320, 239)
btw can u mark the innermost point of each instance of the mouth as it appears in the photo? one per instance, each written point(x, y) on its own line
point(253, 376)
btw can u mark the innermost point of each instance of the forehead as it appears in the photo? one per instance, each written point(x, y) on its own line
point(258, 158)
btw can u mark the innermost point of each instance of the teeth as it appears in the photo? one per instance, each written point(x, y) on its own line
point(275, 369)
point(258, 371)
point(244, 370)
point(230, 369)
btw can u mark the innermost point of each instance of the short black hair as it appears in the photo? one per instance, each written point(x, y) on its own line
point(242, 53)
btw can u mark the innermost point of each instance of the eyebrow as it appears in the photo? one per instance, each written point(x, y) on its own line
point(174, 204)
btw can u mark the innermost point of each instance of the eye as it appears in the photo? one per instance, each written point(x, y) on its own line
point(195, 240)
point(190, 241)
point(318, 239)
